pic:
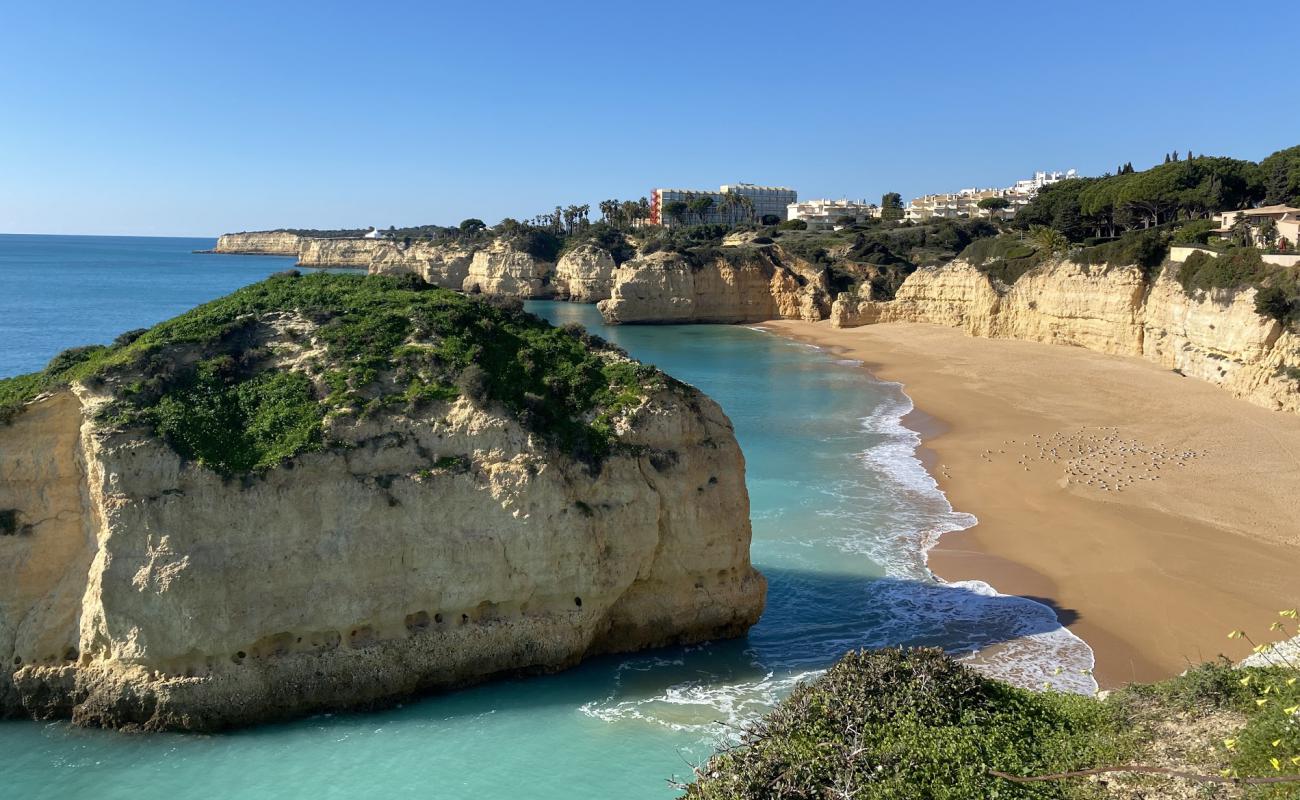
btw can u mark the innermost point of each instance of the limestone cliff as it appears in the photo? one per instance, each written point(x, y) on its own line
point(1215, 336)
point(585, 274)
point(503, 269)
point(749, 284)
point(268, 243)
point(356, 253)
point(416, 537)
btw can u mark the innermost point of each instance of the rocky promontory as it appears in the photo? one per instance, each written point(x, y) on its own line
point(259, 243)
point(333, 491)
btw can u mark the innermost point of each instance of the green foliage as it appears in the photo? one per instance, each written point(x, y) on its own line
point(1238, 268)
point(793, 225)
point(1005, 257)
point(1197, 231)
point(1177, 190)
point(1281, 175)
point(387, 340)
point(605, 236)
point(1277, 303)
point(232, 425)
point(911, 724)
point(1144, 248)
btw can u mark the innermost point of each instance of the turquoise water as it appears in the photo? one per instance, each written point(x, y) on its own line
point(842, 514)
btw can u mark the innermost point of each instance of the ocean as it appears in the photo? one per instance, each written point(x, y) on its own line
point(843, 513)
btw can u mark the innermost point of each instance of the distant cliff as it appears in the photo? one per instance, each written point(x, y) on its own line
point(736, 284)
point(262, 243)
point(313, 495)
point(1214, 335)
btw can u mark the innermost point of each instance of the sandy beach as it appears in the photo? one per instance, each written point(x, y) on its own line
point(1154, 512)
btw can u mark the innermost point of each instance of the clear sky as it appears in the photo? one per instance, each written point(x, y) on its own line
point(195, 118)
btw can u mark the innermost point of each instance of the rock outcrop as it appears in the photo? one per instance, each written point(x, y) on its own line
point(353, 253)
point(445, 265)
point(738, 285)
point(1216, 336)
point(261, 243)
point(585, 274)
point(503, 269)
point(423, 545)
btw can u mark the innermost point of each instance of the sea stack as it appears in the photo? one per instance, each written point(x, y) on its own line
point(333, 491)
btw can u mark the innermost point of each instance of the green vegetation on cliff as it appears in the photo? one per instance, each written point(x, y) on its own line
point(913, 723)
point(208, 381)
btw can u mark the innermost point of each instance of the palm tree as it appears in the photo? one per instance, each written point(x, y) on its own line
point(1049, 239)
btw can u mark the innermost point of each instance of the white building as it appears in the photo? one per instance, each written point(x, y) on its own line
point(829, 213)
point(964, 204)
point(373, 233)
point(733, 202)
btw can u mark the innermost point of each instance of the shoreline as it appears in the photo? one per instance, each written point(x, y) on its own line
point(1183, 544)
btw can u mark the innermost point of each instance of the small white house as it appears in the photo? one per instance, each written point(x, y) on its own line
point(373, 233)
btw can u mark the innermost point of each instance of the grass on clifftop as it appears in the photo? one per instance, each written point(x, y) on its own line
point(915, 724)
point(205, 385)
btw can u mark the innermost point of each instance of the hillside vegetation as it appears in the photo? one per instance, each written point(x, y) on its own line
point(208, 383)
point(914, 724)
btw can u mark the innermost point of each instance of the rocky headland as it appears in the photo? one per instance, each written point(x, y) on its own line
point(333, 491)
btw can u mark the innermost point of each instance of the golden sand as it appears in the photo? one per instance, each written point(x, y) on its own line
point(1155, 512)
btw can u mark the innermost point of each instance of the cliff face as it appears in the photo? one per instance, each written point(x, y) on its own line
point(585, 274)
point(268, 243)
point(501, 269)
point(341, 252)
point(748, 286)
point(428, 547)
point(441, 265)
point(1216, 336)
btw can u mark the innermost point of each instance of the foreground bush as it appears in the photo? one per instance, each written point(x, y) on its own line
point(913, 724)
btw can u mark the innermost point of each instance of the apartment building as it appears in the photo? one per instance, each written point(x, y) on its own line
point(822, 214)
point(964, 204)
point(733, 202)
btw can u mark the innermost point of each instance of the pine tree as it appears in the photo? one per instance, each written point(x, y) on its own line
point(1167, 158)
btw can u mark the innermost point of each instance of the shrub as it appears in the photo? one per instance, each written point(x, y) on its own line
point(912, 723)
point(1195, 232)
point(1238, 268)
point(1144, 249)
point(1005, 257)
point(793, 225)
point(1274, 302)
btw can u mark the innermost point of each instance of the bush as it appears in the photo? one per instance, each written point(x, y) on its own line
point(1274, 302)
point(1144, 249)
point(1195, 232)
point(1236, 269)
point(793, 225)
point(1005, 257)
point(912, 724)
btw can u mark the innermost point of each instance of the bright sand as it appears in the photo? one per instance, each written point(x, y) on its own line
point(1154, 512)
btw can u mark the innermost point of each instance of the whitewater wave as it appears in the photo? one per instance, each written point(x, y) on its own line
point(1012, 638)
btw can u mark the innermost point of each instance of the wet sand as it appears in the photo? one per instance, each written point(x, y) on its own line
point(1154, 512)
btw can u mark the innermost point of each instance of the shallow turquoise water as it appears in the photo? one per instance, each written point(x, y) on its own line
point(842, 512)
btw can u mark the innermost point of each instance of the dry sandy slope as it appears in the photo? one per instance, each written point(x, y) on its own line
point(1154, 511)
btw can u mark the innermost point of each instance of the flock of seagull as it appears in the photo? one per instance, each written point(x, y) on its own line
point(1092, 456)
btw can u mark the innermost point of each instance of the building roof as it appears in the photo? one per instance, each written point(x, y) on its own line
point(1265, 210)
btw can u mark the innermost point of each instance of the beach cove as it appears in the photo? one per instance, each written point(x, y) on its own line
point(1155, 512)
point(841, 508)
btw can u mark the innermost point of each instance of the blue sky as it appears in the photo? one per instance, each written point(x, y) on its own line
point(196, 118)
